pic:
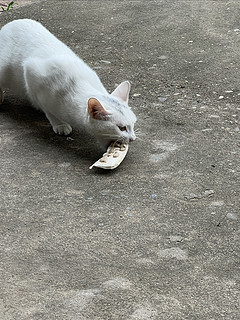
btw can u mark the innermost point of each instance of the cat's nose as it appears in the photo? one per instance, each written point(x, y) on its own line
point(132, 138)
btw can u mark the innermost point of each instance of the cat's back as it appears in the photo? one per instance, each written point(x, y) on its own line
point(22, 25)
point(25, 31)
point(25, 36)
point(23, 40)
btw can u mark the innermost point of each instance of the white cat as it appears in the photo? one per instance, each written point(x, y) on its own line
point(36, 65)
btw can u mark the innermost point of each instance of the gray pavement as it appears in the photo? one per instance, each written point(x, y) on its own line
point(158, 238)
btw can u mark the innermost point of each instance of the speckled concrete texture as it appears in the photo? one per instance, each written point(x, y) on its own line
point(157, 238)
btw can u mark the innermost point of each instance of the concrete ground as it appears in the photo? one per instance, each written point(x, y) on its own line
point(158, 238)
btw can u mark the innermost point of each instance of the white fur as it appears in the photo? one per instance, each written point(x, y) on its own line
point(36, 65)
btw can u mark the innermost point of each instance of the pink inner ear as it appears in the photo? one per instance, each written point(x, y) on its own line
point(96, 110)
point(122, 91)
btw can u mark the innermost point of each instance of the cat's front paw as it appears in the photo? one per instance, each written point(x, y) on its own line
point(62, 129)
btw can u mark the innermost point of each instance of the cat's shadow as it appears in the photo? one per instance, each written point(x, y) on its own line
point(24, 116)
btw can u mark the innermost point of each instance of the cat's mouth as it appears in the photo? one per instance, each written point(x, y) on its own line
point(117, 143)
point(121, 141)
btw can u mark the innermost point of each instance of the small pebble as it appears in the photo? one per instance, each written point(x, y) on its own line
point(176, 238)
point(214, 116)
point(208, 193)
point(162, 57)
point(162, 99)
point(105, 61)
point(231, 216)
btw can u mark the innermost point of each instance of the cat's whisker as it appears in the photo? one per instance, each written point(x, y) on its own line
point(137, 131)
point(109, 134)
point(112, 137)
point(140, 133)
point(137, 138)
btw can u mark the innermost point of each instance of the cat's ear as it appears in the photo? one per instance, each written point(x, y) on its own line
point(96, 110)
point(122, 91)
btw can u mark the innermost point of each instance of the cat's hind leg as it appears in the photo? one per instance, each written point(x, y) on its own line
point(1, 96)
point(59, 127)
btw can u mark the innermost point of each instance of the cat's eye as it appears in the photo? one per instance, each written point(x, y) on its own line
point(122, 128)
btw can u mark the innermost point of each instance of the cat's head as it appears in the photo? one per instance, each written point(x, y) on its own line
point(110, 116)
